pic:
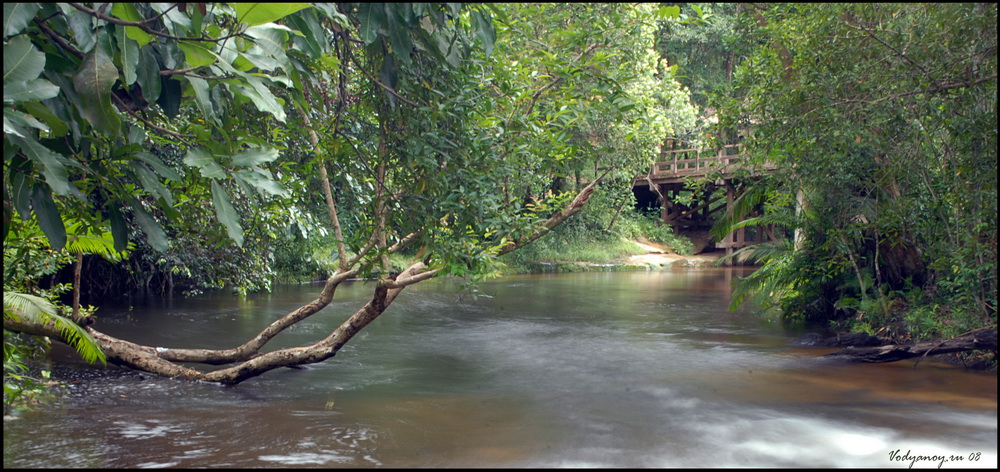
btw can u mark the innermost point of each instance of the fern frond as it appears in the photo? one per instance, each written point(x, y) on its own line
point(89, 242)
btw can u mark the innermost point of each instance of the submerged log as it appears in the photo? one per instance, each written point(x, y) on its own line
point(984, 339)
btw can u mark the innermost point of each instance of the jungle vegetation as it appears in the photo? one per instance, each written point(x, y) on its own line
point(187, 147)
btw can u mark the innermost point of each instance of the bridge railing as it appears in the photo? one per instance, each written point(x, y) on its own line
point(686, 162)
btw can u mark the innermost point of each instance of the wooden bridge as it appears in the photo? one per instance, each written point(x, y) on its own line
point(668, 179)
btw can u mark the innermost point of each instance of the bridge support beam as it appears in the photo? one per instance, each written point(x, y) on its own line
point(667, 179)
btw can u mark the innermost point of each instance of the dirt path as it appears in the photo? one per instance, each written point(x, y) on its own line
point(658, 257)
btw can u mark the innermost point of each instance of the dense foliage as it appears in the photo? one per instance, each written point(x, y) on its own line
point(202, 145)
point(882, 122)
point(219, 142)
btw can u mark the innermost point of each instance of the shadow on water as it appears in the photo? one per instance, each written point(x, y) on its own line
point(562, 370)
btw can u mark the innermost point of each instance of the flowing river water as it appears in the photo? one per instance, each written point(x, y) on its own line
point(635, 369)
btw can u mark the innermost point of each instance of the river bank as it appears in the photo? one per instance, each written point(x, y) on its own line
point(651, 256)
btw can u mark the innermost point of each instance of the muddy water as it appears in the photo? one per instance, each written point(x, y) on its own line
point(597, 370)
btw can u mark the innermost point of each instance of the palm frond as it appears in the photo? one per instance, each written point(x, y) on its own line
point(34, 309)
point(783, 217)
point(742, 206)
point(772, 281)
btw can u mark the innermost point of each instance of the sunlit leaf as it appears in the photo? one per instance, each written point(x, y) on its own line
point(22, 119)
point(260, 13)
point(197, 55)
point(262, 97)
point(261, 180)
point(128, 12)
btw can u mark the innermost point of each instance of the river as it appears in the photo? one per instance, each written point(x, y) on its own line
point(635, 369)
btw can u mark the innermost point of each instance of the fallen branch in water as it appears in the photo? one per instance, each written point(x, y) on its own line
point(984, 339)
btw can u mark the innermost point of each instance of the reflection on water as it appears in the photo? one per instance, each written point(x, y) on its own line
point(597, 369)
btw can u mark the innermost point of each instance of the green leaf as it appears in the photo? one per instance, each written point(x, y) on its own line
point(671, 12)
point(196, 54)
point(128, 12)
point(226, 213)
point(58, 128)
point(21, 61)
point(254, 157)
point(10, 128)
point(7, 214)
point(484, 30)
point(49, 218)
point(261, 97)
point(118, 228)
point(150, 183)
point(260, 180)
point(155, 235)
point(313, 40)
point(148, 74)
point(21, 186)
point(270, 41)
point(84, 32)
point(16, 16)
point(170, 96)
point(372, 17)
point(52, 164)
point(158, 166)
point(21, 119)
point(203, 98)
point(129, 55)
point(93, 84)
point(205, 163)
point(247, 61)
point(260, 13)
point(399, 34)
point(31, 91)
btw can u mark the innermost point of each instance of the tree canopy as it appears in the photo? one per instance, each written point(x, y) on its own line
point(434, 130)
point(881, 121)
